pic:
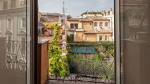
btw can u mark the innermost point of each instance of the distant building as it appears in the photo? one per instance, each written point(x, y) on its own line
point(90, 29)
point(51, 17)
point(109, 14)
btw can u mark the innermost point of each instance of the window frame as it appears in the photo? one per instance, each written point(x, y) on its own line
point(13, 3)
point(22, 3)
point(5, 5)
point(9, 23)
point(23, 22)
point(116, 39)
point(101, 24)
point(106, 24)
point(100, 37)
point(74, 26)
point(95, 24)
point(117, 43)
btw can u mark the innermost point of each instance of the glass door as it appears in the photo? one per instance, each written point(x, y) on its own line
point(135, 41)
point(15, 41)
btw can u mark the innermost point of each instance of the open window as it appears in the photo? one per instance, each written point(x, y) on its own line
point(77, 43)
point(82, 47)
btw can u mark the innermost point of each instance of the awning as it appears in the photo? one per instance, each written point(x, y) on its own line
point(83, 50)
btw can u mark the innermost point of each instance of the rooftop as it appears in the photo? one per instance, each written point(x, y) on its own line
point(52, 14)
point(89, 19)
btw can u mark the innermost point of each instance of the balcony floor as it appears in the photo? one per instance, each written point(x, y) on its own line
point(70, 82)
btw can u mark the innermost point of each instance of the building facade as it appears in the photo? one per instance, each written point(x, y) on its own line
point(90, 28)
point(109, 14)
point(51, 17)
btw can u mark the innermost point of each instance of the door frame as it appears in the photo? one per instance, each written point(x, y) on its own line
point(117, 42)
point(34, 39)
point(34, 32)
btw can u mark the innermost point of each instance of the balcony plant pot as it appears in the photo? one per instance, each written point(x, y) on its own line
point(46, 33)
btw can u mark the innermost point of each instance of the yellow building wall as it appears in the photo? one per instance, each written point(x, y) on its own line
point(90, 37)
point(109, 37)
point(87, 26)
point(78, 37)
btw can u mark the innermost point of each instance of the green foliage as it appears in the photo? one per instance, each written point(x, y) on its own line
point(97, 65)
point(70, 38)
point(58, 65)
point(108, 71)
point(107, 48)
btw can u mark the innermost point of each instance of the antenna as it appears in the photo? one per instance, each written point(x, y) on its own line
point(63, 8)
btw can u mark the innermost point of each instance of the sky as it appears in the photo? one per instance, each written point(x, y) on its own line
point(74, 7)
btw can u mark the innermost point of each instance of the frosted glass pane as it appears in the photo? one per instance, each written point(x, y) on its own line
point(14, 41)
point(135, 41)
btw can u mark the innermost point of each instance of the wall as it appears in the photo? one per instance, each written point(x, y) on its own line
point(90, 37)
point(43, 62)
point(78, 36)
point(87, 26)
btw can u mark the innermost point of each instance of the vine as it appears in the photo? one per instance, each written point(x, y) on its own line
point(58, 65)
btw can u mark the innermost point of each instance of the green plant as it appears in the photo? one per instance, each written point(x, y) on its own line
point(58, 65)
point(107, 48)
point(70, 38)
point(97, 65)
point(108, 71)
